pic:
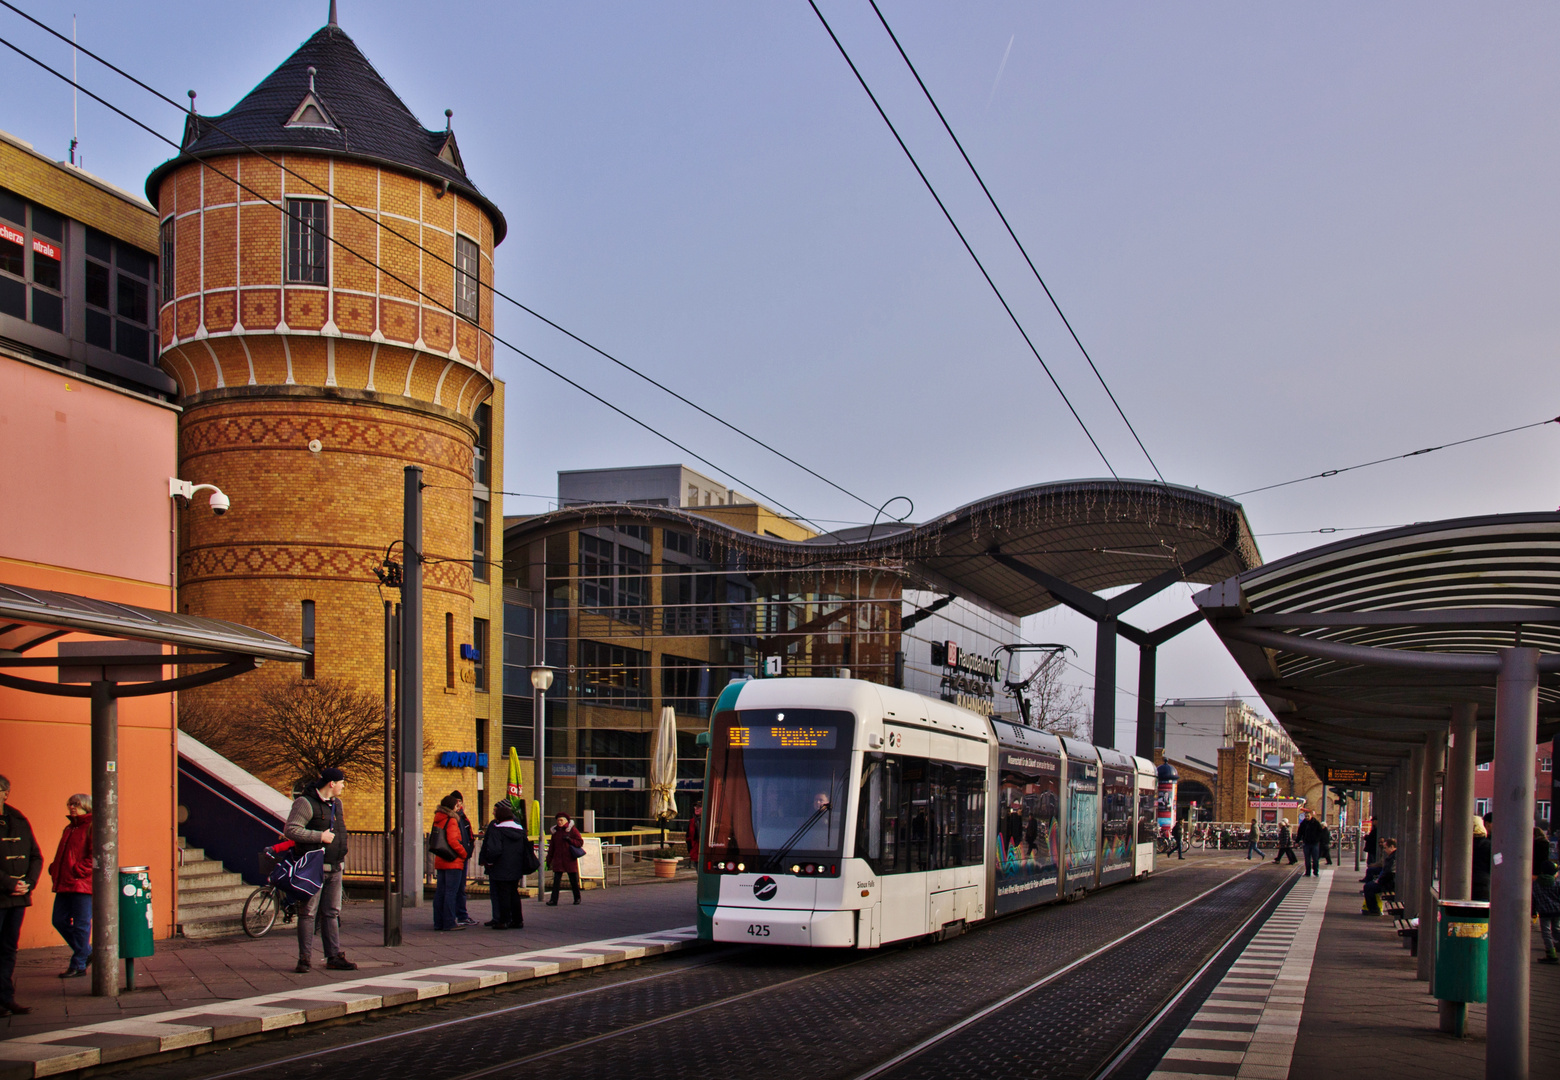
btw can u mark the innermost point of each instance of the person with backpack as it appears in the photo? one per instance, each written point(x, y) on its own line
point(564, 849)
point(449, 863)
point(508, 856)
point(1285, 844)
point(316, 821)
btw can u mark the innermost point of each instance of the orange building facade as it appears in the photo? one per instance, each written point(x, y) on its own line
point(84, 496)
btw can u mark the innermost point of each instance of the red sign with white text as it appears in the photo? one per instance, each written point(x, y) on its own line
point(43, 247)
point(11, 235)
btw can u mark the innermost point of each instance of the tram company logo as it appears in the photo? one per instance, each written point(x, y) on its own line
point(765, 888)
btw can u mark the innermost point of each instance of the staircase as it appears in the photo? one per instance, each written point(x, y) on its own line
point(211, 899)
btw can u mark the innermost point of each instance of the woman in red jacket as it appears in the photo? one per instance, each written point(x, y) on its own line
point(448, 872)
point(71, 872)
point(565, 841)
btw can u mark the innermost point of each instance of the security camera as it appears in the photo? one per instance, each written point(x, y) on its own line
point(182, 491)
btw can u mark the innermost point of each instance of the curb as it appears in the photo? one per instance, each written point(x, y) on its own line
point(66, 1050)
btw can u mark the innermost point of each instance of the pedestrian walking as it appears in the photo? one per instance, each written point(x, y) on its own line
point(564, 849)
point(1546, 904)
point(316, 820)
point(1384, 881)
point(1285, 844)
point(449, 863)
point(1479, 882)
point(1324, 834)
point(20, 865)
point(71, 873)
point(1253, 841)
point(1310, 839)
point(468, 839)
point(506, 852)
point(695, 823)
point(1178, 836)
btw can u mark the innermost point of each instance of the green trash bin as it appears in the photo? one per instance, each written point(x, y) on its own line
point(135, 917)
point(1462, 950)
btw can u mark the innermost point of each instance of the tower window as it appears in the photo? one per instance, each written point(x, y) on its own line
point(308, 638)
point(167, 260)
point(479, 544)
point(482, 451)
point(479, 636)
point(449, 650)
point(467, 276)
point(306, 239)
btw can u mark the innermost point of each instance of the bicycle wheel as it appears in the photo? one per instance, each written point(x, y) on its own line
point(260, 911)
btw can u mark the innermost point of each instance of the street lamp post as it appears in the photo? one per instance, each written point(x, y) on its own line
point(541, 681)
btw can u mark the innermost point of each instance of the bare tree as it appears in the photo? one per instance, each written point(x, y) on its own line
point(1056, 706)
point(298, 728)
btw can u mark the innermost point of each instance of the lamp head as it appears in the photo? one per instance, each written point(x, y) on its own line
point(542, 678)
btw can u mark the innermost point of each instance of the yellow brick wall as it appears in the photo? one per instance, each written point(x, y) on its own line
point(70, 192)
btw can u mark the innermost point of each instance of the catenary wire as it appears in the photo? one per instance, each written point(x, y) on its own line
point(1395, 457)
point(431, 300)
point(960, 233)
point(1017, 243)
point(442, 259)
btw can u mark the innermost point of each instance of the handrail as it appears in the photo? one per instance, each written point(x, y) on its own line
point(243, 810)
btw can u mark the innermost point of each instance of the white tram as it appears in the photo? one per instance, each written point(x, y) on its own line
point(846, 814)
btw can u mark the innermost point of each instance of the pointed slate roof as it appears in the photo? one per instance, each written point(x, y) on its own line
point(370, 123)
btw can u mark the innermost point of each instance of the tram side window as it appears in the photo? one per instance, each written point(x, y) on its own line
point(917, 815)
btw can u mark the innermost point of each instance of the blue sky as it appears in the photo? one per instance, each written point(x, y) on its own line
point(1293, 237)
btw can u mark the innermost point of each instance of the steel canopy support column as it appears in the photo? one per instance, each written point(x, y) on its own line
point(1511, 865)
point(1105, 682)
point(1462, 747)
point(105, 841)
point(1148, 662)
point(1408, 836)
point(1434, 755)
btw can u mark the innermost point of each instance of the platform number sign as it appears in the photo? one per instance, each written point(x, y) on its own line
point(774, 666)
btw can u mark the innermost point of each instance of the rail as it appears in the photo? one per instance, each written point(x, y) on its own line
point(366, 851)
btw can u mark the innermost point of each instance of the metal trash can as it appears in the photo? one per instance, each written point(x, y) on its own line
point(1462, 950)
point(135, 917)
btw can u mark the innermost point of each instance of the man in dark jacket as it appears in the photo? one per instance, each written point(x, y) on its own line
point(21, 863)
point(1285, 844)
point(506, 851)
point(1310, 842)
point(1385, 881)
point(316, 821)
point(468, 839)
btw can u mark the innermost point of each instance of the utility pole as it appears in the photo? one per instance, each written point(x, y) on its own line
point(411, 701)
point(392, 887)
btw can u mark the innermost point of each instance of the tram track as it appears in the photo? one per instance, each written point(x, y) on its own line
point(730, 1013)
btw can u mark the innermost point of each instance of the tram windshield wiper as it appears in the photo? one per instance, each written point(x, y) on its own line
point(775, 861)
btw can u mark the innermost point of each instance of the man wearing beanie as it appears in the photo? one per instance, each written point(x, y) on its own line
point(468, 840)
point(316, 821)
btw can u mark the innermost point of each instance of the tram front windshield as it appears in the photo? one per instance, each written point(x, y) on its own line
point(778, 783)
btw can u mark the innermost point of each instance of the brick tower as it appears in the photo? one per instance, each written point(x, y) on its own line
point(310, 376)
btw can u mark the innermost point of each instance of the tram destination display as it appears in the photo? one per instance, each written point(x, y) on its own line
point(778, 737)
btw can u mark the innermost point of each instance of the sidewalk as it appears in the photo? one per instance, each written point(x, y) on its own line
point(1323, 991)
point(186, 973)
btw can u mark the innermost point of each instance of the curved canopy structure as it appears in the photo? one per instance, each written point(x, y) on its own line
point(1089, 534)
point(1362, 647)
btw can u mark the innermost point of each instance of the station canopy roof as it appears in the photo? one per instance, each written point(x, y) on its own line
point(1091, 534)
point(1303, 630)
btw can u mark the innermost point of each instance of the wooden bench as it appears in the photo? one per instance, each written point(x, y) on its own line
point(1405, 929)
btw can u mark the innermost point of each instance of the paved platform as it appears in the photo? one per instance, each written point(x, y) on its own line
point(185, 973)
point(1323, 991)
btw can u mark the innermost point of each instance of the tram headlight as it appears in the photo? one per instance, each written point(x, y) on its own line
point(741, 867)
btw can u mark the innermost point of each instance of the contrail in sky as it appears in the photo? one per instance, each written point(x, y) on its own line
point(1000, 69)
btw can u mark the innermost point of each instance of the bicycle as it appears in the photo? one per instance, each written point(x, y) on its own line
point(262, 907)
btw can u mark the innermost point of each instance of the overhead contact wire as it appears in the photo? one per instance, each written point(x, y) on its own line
point(960, 233)
point(205, 123)
point(1016, 241)
point(418, 291)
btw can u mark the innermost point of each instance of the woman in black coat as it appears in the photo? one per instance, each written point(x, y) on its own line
point(506, 852)
point(1480, 883)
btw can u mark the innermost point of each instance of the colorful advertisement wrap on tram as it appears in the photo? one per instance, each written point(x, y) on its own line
point(1028, 828)
point(1083, 820)
point(1147, 820)
point(1116, 850)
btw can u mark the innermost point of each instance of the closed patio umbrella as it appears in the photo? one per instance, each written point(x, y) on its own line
point(663, 770)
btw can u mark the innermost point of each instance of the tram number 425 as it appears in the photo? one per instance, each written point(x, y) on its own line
point(758, 930)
